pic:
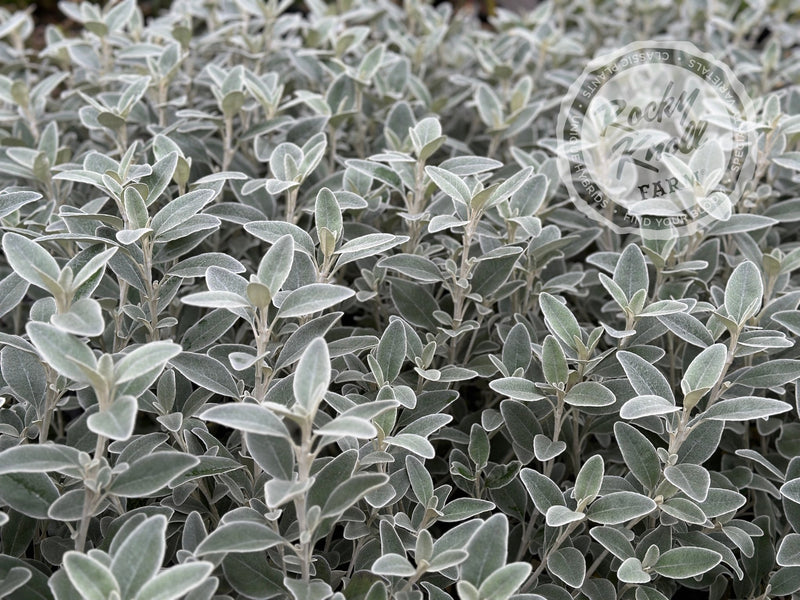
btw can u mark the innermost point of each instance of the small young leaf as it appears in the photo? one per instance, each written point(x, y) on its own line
point(560, 320)
point(84, 318)
point(479, 446)
point(743, 292)
point(630, 273)
point(589, 479)
point(274, 268)
point(557, 516)
point(313, 376)
point(327, 212)
point(117, 421)
point(546, 449)
point(704, 371)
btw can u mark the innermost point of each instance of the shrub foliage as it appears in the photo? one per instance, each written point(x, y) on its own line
point(295, 305)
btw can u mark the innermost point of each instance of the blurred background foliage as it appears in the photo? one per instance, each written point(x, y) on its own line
point(46, 11)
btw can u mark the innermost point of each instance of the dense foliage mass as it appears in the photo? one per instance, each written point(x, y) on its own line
point(295, 305)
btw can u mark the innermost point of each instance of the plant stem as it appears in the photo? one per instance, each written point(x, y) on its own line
point(459, 293)
point(119, 316)
point(51, 399)
point(304, 461)
point(599, 560)
point(151, 288)
point(86, 517)
point(90, 498)
point(229, 150)
point(162, 102)
point(556, 545)
point(716, 392)
point(291, 204)
point(262, 334)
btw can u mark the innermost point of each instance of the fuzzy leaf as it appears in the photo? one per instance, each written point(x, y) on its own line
point(313, 376)
point(175, 582)
point(274, 268)
point(91, 578)
point(30, 261)
point(689, 561)
point(630, 273)
point(704, 371)
point(619, 507)
point(150, 473)
point(238, 536)
point(139, 556)
point(568, 565)
point(744, 408)
point(743, 292)
point(62, 351)
point(249, 418)
point(560, 320)
point(639, 454)
point(487, 549)
point(312, 298)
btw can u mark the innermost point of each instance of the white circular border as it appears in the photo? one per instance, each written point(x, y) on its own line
point(742, 99)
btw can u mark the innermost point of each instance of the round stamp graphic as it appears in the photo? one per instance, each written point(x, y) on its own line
point(657, 137)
